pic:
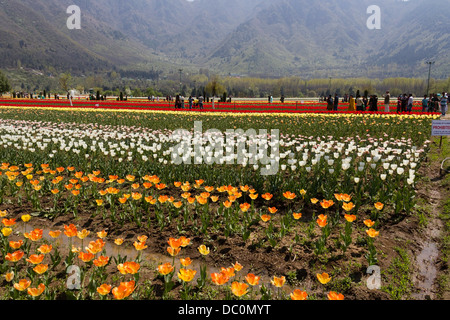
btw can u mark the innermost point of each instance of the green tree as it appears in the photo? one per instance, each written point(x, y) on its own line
point(214, 87)
point(64, 81)
point(4, 84)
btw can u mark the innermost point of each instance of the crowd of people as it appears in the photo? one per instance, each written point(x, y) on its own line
point(192, 102)
point(434, 103)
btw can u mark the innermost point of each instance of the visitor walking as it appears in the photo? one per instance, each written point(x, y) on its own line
point(177, 102)
point(425, 103)
point(444, 103)
point(191, 101)
point(336, 102)
point(359, 104)
point(410, 103)
point(351, 103)
point(387, 101)
point(329, 103)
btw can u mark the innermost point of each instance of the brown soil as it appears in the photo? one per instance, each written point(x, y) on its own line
point(296, 261)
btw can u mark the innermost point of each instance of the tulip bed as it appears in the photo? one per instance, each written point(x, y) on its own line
point(93, 206)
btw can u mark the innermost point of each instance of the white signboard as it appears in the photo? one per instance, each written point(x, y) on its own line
point(440, 128)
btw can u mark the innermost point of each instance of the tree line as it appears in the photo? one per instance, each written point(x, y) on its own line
point(205, 83)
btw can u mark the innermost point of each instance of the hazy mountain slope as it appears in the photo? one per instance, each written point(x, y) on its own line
point(325, 38)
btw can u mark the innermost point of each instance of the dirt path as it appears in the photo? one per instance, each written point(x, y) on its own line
point(426, 262)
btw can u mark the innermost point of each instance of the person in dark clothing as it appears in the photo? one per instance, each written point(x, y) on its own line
point(177, 102)
point(336, 102)
point(329, 103)
point(365, 103)
point(404, 102)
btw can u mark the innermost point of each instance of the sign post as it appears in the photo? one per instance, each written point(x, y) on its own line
point(440, 128)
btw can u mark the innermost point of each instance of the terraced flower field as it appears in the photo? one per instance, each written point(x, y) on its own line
point(148, 204)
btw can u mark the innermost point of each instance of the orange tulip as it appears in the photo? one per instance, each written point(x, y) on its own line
point(173, 252)
point(178, 204)
point(229, 272)
point(186, 275)
point(265, 217)
point(54, 234)
point(239, 288)
point(252, 279)
point(174, 243)
point(8, 222)
point(124, 290)
point(85, 256)
point(135, 186)
point(219, 278)
point(14, 256)
point(289, 195)
point(326, 203)
point(267, 196)
point(70, 231)
point(122, 200)
point(273, 210)
point(35, 258)
point(102, 234)
point(379, 206)
point(324, 278)
point(101, 261)
point(16, 244)
point(96, 246)
point(142, 238)
point(278, 281)
point(83, 234)
point(348, 206)
point(244, 207)
point(335, 296)
point(41, 268)
point(299, 295)
point(22, 285)
point(163, 198)
point(253, 196)
point(345, 197)
point(45, 248)
point(201, 200)
point(314, 200)
point(322, 220)
point(185, 262)
point(296, 215)
point(104, 289)
point(191, 200)
point(160, 186)
point(369, 223)
point(34, 235)
point(165, 269)
point(350, 217)
point(136, 195)
point(227, 204)
point(139, 245)
point(237, 266)
point(129, 267)
point(118, 241)
point(372, 233)
point(9, 276)
point(185, 241)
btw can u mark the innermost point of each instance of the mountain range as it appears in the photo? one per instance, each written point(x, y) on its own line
point(266, 38)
